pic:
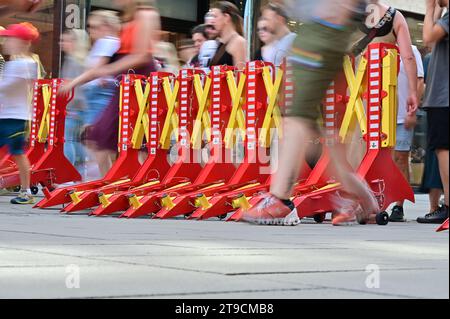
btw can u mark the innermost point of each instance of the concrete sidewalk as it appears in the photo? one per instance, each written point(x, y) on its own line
point(42, 253)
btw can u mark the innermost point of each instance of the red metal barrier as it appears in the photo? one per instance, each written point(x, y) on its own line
point(216, 170)
point(127, 163)
point(51, 167)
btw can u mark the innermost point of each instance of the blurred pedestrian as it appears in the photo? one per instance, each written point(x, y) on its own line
point(436, 102)
point(15, 102)
point(406, 123)
point(267, 38)
point(75, 45)
point(2, 59)
point(187, 52)
point(229, 24)
point(104, 28)
point(316, 59)
point(139, 34)
point(209, 47)
point(167, 57)
point(41, 74)
point(277, 19)
point(199, 36)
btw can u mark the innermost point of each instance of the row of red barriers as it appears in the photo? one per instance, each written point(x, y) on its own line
point(192, 106)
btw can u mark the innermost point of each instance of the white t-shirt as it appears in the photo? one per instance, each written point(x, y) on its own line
point(16, 89)
point(103, 48)
point(207, 52)
point(403, 87)
point(282, 48)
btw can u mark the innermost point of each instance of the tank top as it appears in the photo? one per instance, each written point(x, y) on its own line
point(224, 59)
point(128, 36)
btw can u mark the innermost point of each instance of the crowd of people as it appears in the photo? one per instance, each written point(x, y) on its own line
point(116, 43)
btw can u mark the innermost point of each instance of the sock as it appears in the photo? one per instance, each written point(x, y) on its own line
point(25, 191)
point(288, 203)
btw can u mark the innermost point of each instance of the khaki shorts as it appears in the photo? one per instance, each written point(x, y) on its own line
point(317, 57)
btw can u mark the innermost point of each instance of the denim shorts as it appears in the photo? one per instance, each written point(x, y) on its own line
point(97, 99)
point(404, 139)
point(316, 59)
point(12, 135)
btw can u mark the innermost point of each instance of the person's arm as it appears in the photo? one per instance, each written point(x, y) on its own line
point(420, 88)
point(238, 51)
point(432, 31)
point(408, 58)
point(147, 33)
point(420, 75)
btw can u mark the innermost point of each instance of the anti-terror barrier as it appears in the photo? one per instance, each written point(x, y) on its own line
point(213, 113)
point(49, 165)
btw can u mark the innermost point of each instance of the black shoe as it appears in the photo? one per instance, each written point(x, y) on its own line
point(437, 217)
point(397, 215)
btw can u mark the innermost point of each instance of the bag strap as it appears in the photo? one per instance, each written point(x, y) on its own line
point(359, 47)
point(221, 51)
point(219, 54)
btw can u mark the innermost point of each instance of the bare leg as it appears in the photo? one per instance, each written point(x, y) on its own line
point(24, 171)
point(443, 169)
point(402, 161)
point(298, 133)
point(297, 136)
point(351, 183)
point(104, 161)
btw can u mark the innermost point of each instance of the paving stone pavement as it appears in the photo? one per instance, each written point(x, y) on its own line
point(44, 254)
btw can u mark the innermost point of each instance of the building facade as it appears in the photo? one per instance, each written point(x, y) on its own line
point(178, 18)
point(55, 16)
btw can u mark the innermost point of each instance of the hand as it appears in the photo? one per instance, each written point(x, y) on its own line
point(413, 103)
point(66, 88)
point(410, 121)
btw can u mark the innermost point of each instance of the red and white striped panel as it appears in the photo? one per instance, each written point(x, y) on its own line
point(374, 98)
point(330, 114)
point(126, 95)
point(34, 126)
point(216, 104)
point(184, 104)
point(55, 84)
point(153, 114)
point(251, 139)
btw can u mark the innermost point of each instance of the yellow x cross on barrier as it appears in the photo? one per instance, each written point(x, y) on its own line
point(142, 122)
point(237, 118)
point(44, 127)
point(171, 122)
point(272, 118)
point(203, 120)
point(355, 105)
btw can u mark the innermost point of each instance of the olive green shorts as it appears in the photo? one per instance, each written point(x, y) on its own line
point(316, 58)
